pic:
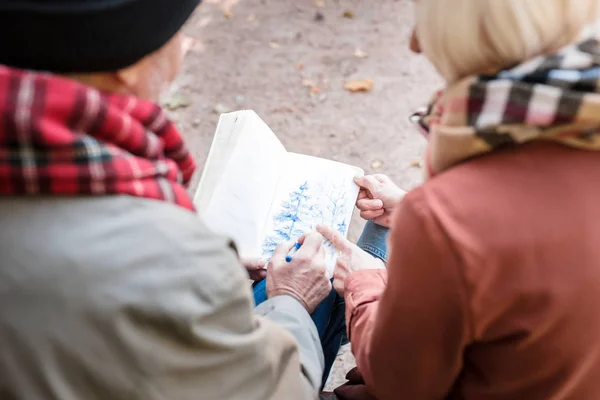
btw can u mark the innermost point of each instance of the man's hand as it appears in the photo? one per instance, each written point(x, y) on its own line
point(305, 277)
point(378, 197)
point(350, 258)
point(255, 267)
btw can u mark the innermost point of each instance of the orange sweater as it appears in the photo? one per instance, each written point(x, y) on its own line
point(493, 284)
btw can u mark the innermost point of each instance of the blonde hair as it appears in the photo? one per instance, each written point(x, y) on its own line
point(466, 37)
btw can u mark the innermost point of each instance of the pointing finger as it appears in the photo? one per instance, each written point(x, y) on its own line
point(336, 238)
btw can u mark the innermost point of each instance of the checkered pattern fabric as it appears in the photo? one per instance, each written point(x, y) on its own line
point(555, 98)
point(58, 137)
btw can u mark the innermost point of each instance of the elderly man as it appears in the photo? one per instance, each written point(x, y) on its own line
point(110, 286)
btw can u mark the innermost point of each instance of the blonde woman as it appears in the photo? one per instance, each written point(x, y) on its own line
point(492, 288)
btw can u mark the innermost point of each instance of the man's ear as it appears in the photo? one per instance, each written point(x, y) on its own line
point(129, 76)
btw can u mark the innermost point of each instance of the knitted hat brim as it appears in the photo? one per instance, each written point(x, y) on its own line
point(87, 35)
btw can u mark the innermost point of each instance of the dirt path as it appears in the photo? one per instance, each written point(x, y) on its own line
point(288, 60)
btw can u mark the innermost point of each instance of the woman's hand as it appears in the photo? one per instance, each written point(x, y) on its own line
point(304, 277)
point(350, 258)
point(378, 197)
point(255, 267)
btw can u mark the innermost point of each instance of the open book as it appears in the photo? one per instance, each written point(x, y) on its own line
point(257, 193)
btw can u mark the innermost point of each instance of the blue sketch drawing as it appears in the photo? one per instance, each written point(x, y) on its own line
point(337, 210)
point(336, 217)
point(288, 222)
point(302, 210)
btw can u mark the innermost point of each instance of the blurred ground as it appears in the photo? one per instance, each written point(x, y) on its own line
point(288, 61)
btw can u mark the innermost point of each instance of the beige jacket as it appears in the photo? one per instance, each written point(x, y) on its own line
point(127, 298)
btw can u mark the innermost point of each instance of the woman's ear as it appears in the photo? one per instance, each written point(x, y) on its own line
point(415, 46)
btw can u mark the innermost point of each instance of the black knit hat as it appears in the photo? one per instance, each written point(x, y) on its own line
point(86, 35)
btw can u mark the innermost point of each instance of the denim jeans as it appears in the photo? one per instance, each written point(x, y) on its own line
point(373, 240)
point(329, 316)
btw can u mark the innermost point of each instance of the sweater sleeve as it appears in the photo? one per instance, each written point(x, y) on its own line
point(288, 314)
point(409, 337)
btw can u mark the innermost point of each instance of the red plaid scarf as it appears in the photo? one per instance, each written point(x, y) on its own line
point(58, 137)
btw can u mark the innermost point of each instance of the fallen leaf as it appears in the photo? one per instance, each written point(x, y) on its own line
point(416, 164)
point(176, 101)
point(221, 109)
point(377, 164)
point(358, 53)
point(284, 109)
point(312, 85)
point(348, 14)
point(274, 45)
point(363, 85)
point(319, 3)
point(227, 14)
point(319, 17)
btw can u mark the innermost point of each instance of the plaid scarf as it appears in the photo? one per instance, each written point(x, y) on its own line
point(554, 98)
point(58, 137)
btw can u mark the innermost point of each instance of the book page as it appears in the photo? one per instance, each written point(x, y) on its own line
point(229, 128)
point(241, 200)
point(311, 191)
